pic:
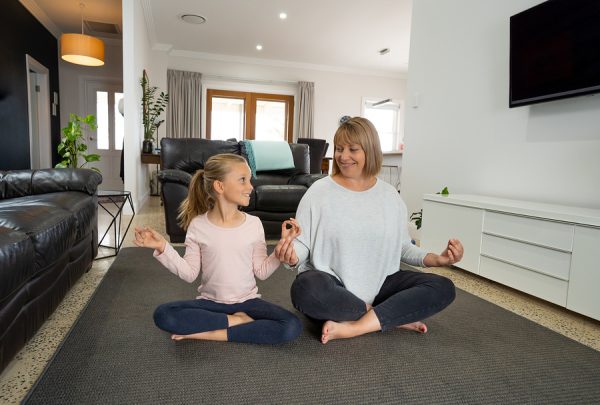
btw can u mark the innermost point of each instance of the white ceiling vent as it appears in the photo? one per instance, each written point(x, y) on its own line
point(97, 28)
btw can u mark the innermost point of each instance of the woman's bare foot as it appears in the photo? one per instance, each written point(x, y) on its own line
point(335, 330)
point(220, 335)
point(416, 326)
point(342, 330)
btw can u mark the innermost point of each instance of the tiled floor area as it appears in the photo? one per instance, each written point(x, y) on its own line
point(21, 374)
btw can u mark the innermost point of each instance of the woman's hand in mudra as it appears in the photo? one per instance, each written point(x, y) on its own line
point(149, 238)
point(452, 254)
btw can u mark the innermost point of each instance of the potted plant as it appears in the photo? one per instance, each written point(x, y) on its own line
point(72, 144)
point(417, 218)
point(152, 107)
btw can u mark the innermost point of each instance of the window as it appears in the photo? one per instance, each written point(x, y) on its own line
point(243, 115)
point(388, 120)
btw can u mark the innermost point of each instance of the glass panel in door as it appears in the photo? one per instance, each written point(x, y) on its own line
point(227, 118)
point(270, 120)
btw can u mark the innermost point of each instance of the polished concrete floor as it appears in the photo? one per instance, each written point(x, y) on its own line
point(18, 378)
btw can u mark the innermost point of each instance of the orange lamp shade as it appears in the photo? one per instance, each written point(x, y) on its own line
point(82, 49)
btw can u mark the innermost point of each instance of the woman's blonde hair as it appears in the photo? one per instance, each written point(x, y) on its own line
point(361, 131)
point(201, 196)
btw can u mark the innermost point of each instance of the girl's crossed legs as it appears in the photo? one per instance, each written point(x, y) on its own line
point(251, 321)
point(405, 298)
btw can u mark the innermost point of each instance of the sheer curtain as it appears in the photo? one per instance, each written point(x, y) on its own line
point(306, 91)
point(183, 112)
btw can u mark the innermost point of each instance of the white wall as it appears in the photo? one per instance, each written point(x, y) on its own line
point(336, 94)
point(137, 56)
point(462, 133)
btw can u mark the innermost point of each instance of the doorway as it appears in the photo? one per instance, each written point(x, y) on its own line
point(102, 99)
point(38, 102)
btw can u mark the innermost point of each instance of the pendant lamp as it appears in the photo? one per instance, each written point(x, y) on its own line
point(82, 49)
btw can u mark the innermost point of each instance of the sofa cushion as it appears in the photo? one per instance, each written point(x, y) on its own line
point(81, 205)
point(20, 183)
point(16, 266)
point(190, 154)
point(279, 198)
point(52, 230)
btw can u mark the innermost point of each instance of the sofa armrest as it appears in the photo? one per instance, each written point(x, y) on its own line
point(306, 180)
point(174, 176)
point(19, 183)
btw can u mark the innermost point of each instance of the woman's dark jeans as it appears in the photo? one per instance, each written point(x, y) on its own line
point(404, 297)
point(272, 324)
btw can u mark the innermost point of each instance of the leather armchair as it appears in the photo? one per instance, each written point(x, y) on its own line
point(317, 150)
point(275, 196)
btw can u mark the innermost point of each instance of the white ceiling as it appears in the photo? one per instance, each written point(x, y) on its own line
point(337, 34)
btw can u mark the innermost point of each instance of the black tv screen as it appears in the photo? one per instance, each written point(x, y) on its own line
point(554, 51)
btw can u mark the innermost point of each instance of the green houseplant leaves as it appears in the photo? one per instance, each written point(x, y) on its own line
point(72, 144)
point(417, 217)
point(152, 107)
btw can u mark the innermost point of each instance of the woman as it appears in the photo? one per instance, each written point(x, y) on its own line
point(354, 234)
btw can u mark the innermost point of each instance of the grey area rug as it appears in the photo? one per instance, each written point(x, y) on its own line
point(475, 352)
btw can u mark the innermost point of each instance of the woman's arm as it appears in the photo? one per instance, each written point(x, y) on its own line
point(453, 253)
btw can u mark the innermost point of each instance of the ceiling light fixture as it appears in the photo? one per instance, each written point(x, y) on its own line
point(259, 47)
point(283, 16)
point(193, 18)
point(82, 49)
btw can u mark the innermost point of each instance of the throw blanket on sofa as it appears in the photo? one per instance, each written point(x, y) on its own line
point(268, 155)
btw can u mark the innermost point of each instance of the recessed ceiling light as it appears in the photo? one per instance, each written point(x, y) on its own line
point(283, 16)
point(259, 47)
point(193, 18)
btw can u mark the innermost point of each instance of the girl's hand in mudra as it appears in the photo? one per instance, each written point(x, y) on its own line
point(149, 238)
point(290, 229)
point(284, 251)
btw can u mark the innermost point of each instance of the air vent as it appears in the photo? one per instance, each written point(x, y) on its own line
point(101, 29)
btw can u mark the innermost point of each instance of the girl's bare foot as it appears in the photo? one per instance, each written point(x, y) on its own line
point(220, 335)
point(238, 318)
point(416, 326)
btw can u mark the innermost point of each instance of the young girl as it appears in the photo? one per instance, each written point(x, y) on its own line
point(228, 247)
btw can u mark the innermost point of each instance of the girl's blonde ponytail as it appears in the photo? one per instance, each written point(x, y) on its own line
point(201, 196)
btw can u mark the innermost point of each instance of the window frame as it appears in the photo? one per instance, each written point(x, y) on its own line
point(250, 99)
point(398, 139)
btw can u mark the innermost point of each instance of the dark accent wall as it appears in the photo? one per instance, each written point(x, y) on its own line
point(21, 34)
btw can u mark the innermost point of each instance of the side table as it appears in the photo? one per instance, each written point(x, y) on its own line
point(108, 199)
point(153, 159)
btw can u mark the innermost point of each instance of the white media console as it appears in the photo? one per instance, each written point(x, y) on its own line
point(549, 251)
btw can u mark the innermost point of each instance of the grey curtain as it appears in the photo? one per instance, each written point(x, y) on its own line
point(306, 91)
point(183, 112)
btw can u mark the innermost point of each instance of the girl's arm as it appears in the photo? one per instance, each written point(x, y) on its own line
point(264, 266)
point(186, 268)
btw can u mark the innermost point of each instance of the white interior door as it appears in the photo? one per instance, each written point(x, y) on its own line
point(39, 114)
point(102, 100)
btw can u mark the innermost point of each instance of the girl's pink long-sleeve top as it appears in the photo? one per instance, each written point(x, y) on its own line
point(227, 258)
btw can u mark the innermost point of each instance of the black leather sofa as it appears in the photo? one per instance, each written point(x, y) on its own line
point(275, 196)
point(48, 239)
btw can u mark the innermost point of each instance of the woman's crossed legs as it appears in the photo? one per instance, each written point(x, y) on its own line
point(251, 321)
point(404, 300)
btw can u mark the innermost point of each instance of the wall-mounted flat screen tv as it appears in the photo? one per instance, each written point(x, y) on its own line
point(554, 51)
